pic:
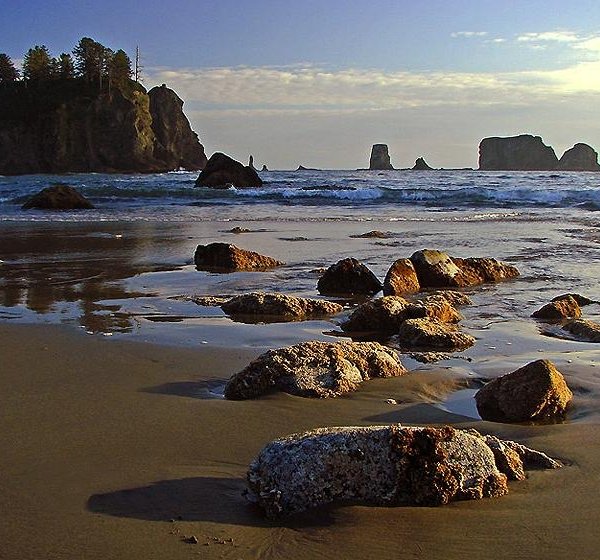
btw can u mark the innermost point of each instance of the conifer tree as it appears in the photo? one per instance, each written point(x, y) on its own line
point(38, 64)
point(8, 72)
point(120, 68)
point(92, 60)
point(65, 68)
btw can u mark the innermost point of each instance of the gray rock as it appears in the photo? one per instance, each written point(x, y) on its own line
point(314, 369)
point(537, 391)
point(580, 157)
point(436, 269)
point(375, 465)
point(516, 153)
point(279, 305)
point(380, 157)
point(428, 334)
point(583, 330)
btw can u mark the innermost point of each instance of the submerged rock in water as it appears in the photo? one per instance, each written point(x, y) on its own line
point(314, 369)
point(582, 301)
point(564, 308)
point(401, 278)
point(280, 305)
point(348, 277)
point(229, 258)
point(58, 197)
point(382, 315)
point(238, 230)
point(378, 465)
point(537, 391)
point(583, 330)
point(221, 171)
point(432, 334)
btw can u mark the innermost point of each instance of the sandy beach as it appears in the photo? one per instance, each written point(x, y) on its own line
point(119, 449)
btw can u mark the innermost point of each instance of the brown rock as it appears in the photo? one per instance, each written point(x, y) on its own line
point(58, 197)
point(584, 330)
point(374, 234)
point(382, 315)
point(221, 171)
point(401, 278)
point(229, 258)
point(314, 369)
point(438, 307)
point(454, 298)
point(564, 308)
point(238, 230)
point(348, 277)
point(534, 392)
point(279, 305)
point(582, 301)
point(479, 270)
point(432, 334)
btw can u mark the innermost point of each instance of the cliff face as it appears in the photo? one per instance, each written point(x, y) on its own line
point(70, 127)
point(580, 157)
point(380, 157)
point(516, 153)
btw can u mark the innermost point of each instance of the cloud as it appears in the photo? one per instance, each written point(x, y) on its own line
point(468, 34)
point(549, 36)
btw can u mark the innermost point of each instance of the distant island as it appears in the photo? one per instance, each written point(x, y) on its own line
point(85, 113)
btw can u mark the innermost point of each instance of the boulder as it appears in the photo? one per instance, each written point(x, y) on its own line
point(583, 330)
point(516, 153)
point(421, 165)
point(229, 258)
point(279, 305)
point(454, 298)
point(237, 230)
point(429, 334)
point(222, 171)
point(439, 307)
point(436, 269)
point(564, 308)
point(314, 369)
point(537, 391)
point(382, 315)
point(582, 301)
point(58, 197)
point(375, 234)
point(580, 157)
point(401, 278)
point(380, 157)
point(378, 465)
point(348, 277)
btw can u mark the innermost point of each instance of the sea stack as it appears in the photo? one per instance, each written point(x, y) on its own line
point(421, 165)
point(580, 157)
point(380, 157)
point(516, 153)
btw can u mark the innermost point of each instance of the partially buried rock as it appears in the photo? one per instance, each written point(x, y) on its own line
point(564, 308)
point(348, 277)
point(238, 230)
point(537, 391)
point(222, 171)
point(382, 315)
point(58, 197)
point(583, 330)
point(279, 305)
point(381, 466)
point(401, 278)
point(229, 258)
point(429, 334)
point(314, 369)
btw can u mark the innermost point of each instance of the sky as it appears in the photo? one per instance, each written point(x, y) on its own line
point(318, 82)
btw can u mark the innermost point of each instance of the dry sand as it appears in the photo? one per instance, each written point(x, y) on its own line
point(115, 450)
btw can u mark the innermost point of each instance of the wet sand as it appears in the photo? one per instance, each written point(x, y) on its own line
point(115, 449)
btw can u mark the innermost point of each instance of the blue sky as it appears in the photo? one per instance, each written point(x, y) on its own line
point(317, 82)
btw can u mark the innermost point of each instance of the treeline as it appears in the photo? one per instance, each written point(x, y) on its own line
point(89, 61)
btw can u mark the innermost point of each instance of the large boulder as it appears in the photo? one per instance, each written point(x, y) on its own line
point(537, 391)
point(314, 369)
point(58, 197)
point(580, 157)
point(222, 171)
point(279, 305)
point(431, 334)
point(583, 330)
point(229, 258)
point(564, 308)
point(348, 277)
point(382, 315)
point(380, 157)
point(516, 153)
point(436, 269)
point(383, 466)
point(401, 278)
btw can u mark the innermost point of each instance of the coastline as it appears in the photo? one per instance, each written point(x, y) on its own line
point(104, 442)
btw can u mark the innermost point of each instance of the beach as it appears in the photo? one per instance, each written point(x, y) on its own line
point(116, 440)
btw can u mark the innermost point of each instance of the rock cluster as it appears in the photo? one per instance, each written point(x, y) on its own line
point(221, 171)
point(348, 277)
point(385, 466)
point(279, 305)
point(58, 197)
point(229, 258)
point(380, 158)
point(314, 369)
point(537, 391)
